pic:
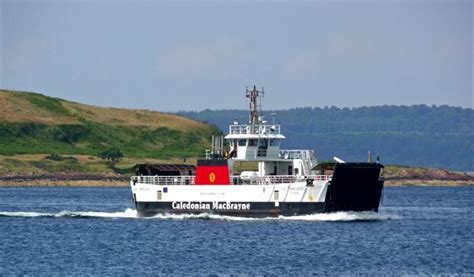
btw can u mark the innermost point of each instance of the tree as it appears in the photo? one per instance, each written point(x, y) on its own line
point(111, 156)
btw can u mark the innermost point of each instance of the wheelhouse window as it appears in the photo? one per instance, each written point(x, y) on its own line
point(253, 142)
point(242, 142)
point(274, 142)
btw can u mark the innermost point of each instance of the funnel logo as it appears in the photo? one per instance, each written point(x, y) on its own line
point(211, 172)
point(212, 177)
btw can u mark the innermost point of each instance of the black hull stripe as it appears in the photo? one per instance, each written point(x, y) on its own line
point(257, 209)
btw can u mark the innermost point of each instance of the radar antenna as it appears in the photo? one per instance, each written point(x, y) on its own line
point(255, 106)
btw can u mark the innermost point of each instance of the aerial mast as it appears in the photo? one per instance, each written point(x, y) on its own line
point(255, 106)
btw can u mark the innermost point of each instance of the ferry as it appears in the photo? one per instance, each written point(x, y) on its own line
point(284, 182)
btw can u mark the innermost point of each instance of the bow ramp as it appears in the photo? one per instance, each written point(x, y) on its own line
point(355, 187)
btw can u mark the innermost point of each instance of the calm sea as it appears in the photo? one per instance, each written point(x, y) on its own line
point(94, 231)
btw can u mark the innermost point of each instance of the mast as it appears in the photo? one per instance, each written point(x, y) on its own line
point(255, 106)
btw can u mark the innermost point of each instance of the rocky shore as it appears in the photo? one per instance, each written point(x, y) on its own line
point(69, 180)
point(417, 176)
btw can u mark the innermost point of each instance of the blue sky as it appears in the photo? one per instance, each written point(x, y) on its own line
point(171, 56)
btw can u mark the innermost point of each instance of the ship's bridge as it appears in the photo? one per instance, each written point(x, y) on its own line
point(254, 142)
point(259, 142)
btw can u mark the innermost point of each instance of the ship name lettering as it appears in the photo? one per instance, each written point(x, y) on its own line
point(296, 188)
point(190, 206)
point(230, 206)
point(207, 206)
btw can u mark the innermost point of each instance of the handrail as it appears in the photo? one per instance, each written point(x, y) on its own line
point(235, 180)
point(245, 129)
point(164, 180)
point(297, 154)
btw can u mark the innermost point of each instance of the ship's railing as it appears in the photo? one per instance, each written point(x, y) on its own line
point(263, 180)
point(280, 179)
point(321, 177)
point(234, 180)
point(164, 180)
point(244, 129)
point(296, 154)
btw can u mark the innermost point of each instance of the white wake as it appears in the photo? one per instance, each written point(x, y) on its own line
point(342, 216)
point(130, 213)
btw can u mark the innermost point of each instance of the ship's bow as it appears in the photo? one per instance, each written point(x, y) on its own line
point(355, 187)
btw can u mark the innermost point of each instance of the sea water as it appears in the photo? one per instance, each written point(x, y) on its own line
point(95, 231)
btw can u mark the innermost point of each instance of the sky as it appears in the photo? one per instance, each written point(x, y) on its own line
point(195, 55)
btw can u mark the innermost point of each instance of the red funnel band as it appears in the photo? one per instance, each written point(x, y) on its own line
point(212, 173)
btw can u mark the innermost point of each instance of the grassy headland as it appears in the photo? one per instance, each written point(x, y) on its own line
point(32, 123)
point(43, 138)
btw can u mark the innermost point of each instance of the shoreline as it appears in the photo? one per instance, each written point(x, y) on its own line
point(428, 183)
point(62, 183)
point(90, 171)
point(123, 182)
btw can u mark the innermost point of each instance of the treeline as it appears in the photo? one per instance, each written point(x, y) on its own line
point(419, 135)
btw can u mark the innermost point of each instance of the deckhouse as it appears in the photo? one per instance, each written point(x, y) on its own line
point(260, 142)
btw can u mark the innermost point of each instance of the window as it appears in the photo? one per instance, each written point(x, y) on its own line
point(274, 142)
point(253, 142)
point(242, 142)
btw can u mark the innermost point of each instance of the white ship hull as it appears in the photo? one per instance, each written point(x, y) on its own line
point(239, 200)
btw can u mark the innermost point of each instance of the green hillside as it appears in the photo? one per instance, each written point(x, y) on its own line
point(32, 123)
